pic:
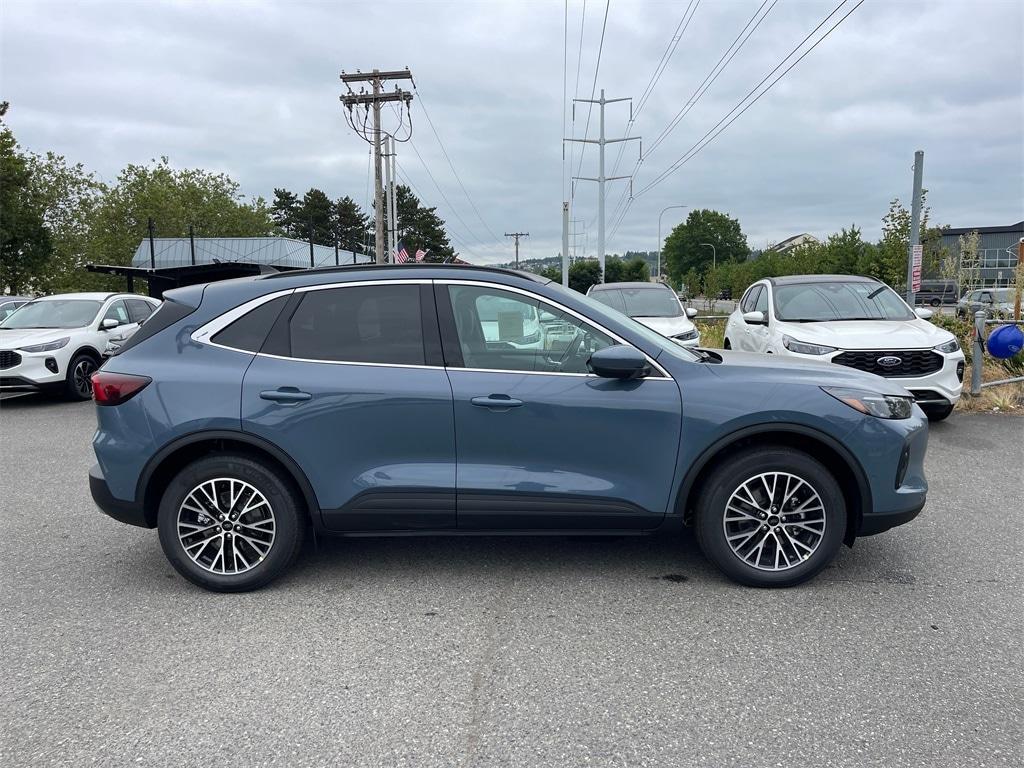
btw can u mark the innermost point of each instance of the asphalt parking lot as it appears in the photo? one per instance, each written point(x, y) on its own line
point(561, 652)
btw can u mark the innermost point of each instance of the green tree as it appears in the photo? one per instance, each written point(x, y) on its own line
point(314, 218)
point(583, 274)
point(684, 247)
point(420, 228)
point(69, 195)
point(284, 211)
point(174, 199)
point(351, 225)
point(552, 273)
point(614, 270)
point(25, 245)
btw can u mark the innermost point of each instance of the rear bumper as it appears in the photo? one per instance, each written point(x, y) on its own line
point(123, 511)
point(879, 522)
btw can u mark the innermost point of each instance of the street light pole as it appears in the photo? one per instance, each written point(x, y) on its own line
point(714, 257)
point(658, 275)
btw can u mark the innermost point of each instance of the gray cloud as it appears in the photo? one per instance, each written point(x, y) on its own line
point(252, 89)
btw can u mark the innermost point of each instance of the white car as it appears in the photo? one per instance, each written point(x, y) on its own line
point(853, 321)
point(55, 343)
point(652, 304)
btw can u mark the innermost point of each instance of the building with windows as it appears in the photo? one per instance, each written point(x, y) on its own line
point(998, 254)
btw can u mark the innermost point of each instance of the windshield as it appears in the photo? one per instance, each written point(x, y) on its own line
point(54, 313)
point(821, 302)
point(603, 313)
point(640, 302)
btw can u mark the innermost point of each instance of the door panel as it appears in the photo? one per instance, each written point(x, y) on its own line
point(376, 442)
point(579, 452)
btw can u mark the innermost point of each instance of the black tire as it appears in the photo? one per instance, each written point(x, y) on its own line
point(743, 467)
point(77, 381)
point(937, 412)
point(936, 302)
point(286, 509)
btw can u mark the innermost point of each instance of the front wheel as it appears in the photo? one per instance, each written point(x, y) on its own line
point(78, 380)
point(230, 523)
point(771, 517)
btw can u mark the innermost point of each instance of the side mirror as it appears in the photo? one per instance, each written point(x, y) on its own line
point(618, 362)
point(109, 323)
point(755, 318)
point(691, 312)
point(923, 313)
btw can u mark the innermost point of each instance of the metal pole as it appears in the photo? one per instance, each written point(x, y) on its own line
point(978, 356)
point(714, 255)
point(192, 244)
point(600, 191)
point(151, 226)
point(392, 203)
point(915, 223)
point(565, 244)
point(657, 276)
point(311, 264)
point(335, 249)
point(378, 190)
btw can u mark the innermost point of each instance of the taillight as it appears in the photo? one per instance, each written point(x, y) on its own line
point(115, 388)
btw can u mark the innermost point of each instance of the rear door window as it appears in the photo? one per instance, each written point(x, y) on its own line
point(139, 310)
point(360, 324)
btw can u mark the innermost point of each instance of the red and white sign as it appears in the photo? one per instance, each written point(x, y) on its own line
point(916, 252)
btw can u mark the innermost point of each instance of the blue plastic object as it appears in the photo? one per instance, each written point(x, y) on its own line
point(1005, 341)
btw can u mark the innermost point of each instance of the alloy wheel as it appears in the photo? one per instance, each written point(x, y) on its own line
point(82, 377)
point(774, 521)
point(226, 526)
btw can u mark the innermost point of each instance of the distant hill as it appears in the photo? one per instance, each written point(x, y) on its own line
point(536, 265)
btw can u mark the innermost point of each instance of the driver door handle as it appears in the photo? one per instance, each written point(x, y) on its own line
point(497, 402)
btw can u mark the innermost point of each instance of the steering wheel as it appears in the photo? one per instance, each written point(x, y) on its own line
point(571, 351)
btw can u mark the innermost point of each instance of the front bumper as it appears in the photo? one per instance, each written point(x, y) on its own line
point(879, 522)
point(123, 511)
point(31, 373)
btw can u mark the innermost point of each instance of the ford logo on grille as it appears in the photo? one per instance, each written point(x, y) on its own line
point(889, 361)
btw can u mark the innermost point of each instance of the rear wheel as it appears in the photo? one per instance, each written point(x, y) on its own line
point(78, 380)
point(771, 517)
point(936, 302)
point(230, 523)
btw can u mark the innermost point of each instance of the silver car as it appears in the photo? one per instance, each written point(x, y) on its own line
point(652, 304)
point(995, 302)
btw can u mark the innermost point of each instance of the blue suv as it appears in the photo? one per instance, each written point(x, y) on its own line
point(432, 399)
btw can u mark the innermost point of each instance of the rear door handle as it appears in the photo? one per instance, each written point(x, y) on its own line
point(285, 395)
point(496, 402)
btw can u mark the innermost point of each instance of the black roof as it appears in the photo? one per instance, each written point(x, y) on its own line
point(1007, 229)
point(801, 279)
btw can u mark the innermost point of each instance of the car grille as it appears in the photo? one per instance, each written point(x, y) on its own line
point(912, 362)
point(9, 359)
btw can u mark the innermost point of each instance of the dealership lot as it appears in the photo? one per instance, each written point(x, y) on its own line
point(906, 651)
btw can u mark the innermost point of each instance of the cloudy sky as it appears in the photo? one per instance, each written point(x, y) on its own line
point(251, 88)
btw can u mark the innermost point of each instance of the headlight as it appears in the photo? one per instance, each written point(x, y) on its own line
point(803, 348)
point(873, 403)
point(950, 346)
point(688, 336)
point(48, 346)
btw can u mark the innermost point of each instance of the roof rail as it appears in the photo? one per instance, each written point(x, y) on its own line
point(416, 266)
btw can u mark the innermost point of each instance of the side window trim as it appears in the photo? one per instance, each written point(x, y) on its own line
point(451, 337)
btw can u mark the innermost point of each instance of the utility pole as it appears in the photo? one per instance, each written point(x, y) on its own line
point(913, 258)
point(151, 228)
point(565, 243)
point(601, 178)
point(517, 235)
point(389, 171)
point(373, 100)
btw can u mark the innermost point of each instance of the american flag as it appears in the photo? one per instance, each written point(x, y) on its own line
point(420, 255)
point(402, 256)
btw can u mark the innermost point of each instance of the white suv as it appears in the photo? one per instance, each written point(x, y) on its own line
point(55, 343)
point(652, 304)
point(853, 321)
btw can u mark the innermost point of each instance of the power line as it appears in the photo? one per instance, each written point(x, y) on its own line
point(701, 143)
point(575, 94)
point(593, 90)
point(451, 165)
point(723, 61)
point(458, 239)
